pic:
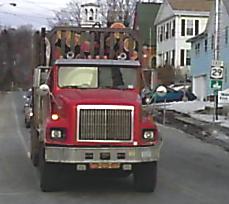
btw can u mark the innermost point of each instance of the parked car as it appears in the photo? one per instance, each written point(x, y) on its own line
point(27, 98)
point(28, 113)
point(171, 96)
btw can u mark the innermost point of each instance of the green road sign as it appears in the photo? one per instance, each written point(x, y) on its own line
point(216, 84)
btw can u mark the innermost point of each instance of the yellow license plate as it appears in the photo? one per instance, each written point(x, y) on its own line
point(104, 165)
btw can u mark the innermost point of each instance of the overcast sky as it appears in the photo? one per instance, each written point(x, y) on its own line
point(33, 12)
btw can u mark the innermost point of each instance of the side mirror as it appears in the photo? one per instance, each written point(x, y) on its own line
point(146, 95)
point(44, 89)
point(161, 91)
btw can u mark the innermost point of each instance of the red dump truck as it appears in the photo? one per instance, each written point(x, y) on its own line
point(87, 109)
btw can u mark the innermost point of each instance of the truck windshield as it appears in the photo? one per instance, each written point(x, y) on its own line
point(97, 77)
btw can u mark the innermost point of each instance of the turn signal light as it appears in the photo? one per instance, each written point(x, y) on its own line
point(55, 116)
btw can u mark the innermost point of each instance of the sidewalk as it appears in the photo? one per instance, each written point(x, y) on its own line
point(192, 108)
point(187, 116)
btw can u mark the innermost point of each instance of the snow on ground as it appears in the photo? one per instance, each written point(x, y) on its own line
point(187, 107)
point(191, 107)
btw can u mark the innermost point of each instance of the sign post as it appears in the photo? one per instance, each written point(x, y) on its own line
point(216, 83)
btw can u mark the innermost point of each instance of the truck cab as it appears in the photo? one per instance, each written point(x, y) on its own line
point(90, 117)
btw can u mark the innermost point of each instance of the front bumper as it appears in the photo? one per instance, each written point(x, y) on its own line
point(79, 155)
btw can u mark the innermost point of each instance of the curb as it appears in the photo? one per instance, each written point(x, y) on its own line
point(203, 130)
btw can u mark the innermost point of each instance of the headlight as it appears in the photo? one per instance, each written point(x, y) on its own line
point(57, 134)
point(148, 135)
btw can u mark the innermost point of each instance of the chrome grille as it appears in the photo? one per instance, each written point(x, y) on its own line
point(108, 123)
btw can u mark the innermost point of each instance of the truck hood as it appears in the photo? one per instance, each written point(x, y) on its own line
point(99, 96)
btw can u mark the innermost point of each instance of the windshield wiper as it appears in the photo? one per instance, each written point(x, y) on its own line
point(83, 86)
point(121, 87)
point(71, 86)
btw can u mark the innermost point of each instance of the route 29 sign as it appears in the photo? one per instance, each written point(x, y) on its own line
point(217, 70)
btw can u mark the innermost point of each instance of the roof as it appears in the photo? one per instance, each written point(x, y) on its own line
point(144, 19)
point(197, 37)
point(90, 4)
point(191, 5)
point(129, 63)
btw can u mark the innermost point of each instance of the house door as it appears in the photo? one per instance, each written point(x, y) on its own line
point(200, 87)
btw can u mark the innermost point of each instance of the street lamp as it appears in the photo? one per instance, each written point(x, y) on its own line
point(11, 4)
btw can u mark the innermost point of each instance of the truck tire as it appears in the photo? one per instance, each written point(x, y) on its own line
point(34, 144)
point(48, 174)
point(145, 177)
point(27, 124)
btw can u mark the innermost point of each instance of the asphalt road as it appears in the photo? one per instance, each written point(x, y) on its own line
point(190, 171)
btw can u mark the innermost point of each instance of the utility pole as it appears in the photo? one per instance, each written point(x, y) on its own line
point(217, 29)
point(216, 52)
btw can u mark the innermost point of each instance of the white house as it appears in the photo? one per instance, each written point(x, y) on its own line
point(90, 15)
point(177, 21)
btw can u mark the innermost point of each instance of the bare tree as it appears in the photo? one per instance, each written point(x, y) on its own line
point(70, 15)
point(110, 11)
point(166, 74)
point(118, 10)
point(15, 58)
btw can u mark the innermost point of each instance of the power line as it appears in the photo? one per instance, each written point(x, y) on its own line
point(40, 4)
point(35, 6)
point(25, 15)
point(23, 9)
point(45, 3)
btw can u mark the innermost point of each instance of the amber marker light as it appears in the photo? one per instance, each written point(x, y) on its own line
point(55, 116)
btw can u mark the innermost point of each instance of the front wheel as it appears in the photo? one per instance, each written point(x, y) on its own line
point(27, 124)
point(34, 147)
point(48, 174)
point(145, 176)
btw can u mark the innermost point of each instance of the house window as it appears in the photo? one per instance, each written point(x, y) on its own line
point(226, 35)
point(158, 33)
point(206, 45)
point(160, 59)
point(196, 27)
point(182, 57)
point(213, 42)
point(96, 14)
point(173, 28)
point(173, 58)
point(167, 31)
point(86, 13)
point(167, 58)
point(182, 27)
point(153, 62)
point(163, 32)
point(188, 58)
point(161, 39)
point(197, 48)
point(164, 59)
point(91, 17)
point(190, 27)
